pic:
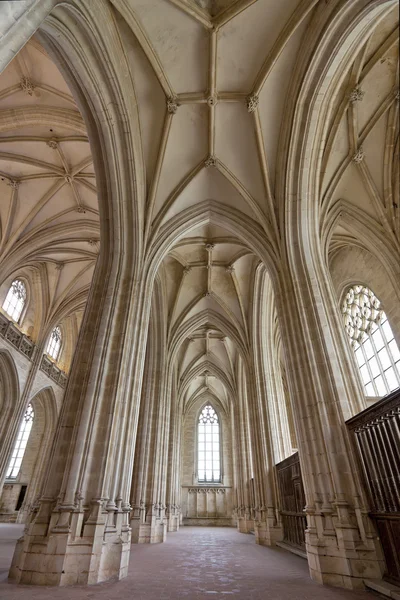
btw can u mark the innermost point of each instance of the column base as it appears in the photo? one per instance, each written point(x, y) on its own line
point(57, 560)
point(345, 564)
point(266, 534)
point(173, 523)
point(154, 532)
point(245, 525)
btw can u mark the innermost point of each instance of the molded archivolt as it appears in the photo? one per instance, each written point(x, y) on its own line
point(9, 391)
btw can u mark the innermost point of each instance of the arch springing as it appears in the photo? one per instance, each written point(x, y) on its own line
point(21, 443)
point(15, 300)
point(372, 339)
point(54, 343)
point(209, 456)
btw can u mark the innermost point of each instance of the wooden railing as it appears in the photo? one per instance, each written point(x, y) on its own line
point(292, 501)
point(376, 436)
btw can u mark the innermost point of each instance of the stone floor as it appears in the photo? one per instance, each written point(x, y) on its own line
point(196, 563)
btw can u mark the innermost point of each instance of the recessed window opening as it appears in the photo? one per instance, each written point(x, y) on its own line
point(15, 300)
point(20, 444)
point(372, 339)
point(54, 345)
point(209, 457)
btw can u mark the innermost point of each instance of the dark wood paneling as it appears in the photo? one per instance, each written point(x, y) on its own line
point(376, 436)
point(292, 501)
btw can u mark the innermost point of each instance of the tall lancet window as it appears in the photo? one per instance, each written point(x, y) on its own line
point(209, 457)
point(15, 300)
point(372, 339)
point(54, 344)
point(20, 445)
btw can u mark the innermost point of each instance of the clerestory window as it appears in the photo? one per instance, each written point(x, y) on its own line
point(20, 444)
point(54, 344)
point(372, 339)
point(15, 300)
point(209, 456)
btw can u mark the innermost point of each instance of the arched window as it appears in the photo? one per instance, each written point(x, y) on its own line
point(372, 339)
point(54, 345)
point(15, 300)
point(209, 461)
point(20, 445)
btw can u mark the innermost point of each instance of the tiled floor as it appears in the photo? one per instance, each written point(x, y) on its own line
point(195, 563)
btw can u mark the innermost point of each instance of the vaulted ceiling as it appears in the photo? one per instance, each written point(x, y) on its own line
point(211, 79)
point(49, 209)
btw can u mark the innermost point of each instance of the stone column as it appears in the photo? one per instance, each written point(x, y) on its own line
point(149, 483)
point(268, 527)
point(80, 531)
point(241, 443)
point(342, 547)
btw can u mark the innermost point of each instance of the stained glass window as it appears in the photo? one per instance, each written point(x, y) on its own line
point(372, 339)
point(209, 461)
point(54, 345)
point(20, 445)
point(15, 300)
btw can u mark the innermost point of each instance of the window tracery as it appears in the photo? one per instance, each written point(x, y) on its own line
point(372, 339)
point(15, 300)
point(21, 443)
point(209, 462)
point(54, 344)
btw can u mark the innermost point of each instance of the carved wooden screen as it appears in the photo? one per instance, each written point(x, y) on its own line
point(376, 433)
point(292, 501)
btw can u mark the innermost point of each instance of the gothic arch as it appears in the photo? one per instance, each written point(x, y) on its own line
point(9, 396)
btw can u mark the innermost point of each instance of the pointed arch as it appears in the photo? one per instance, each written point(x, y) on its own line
point(9, 392)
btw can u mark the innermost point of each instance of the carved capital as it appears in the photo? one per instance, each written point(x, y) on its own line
point(356, 95)
point(252, 103)
point(187, 270)
point(207, 295)
point(230, 269)
point(209, 247)
point(60, 266)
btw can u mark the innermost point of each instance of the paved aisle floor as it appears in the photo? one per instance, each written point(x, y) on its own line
point(207, 563)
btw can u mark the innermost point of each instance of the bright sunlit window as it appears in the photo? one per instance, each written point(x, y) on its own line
point(54, 345)
point(372, 339)
point(20, 445)
point(15, 300)
point(209, 461)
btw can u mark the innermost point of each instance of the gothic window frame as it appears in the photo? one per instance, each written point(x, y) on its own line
point(21, 444)
point(22, 313)
point(56, 358)
point(371, 337)
point(199, 480)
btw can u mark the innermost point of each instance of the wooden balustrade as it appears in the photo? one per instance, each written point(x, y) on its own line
point(376, 436)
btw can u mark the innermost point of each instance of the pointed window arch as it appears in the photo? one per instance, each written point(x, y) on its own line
point(15, 300)
point(21, 443)
point(54, 344)
point(209, 455)
point(372, 339)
